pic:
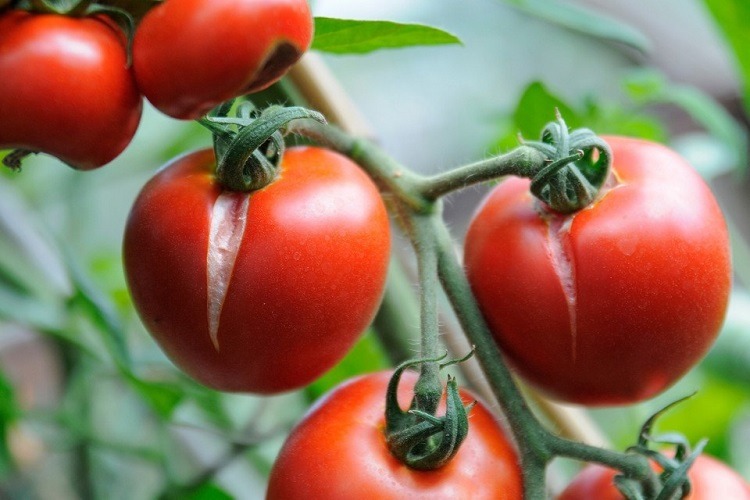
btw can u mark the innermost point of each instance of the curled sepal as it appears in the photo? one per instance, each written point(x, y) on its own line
point(395, 417)
point(250, 161)
point(628, 488)
point(676, 479)
point(578, 164)
point(432, 441)
point(644, 436)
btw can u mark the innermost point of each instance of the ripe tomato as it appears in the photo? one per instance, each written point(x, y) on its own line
point(258, 292)
point(612, 304)
point(191, 55)
point(65, 88)
point(338, 451)
point(709, 480)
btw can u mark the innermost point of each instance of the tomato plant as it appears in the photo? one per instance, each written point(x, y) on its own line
point(614, 303)
point(66, 88)
point(191, 55)
point(258, 292)
point(709, 480)
point(338, 451)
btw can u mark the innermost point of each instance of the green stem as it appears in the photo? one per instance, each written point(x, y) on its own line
point(522, 161)
point(395, 323)
point(428, 389)
point(389, 175)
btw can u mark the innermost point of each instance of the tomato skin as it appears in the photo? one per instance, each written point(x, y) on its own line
point(191, 55)
point(612, 304)
point(306, 282)
point(65, 88)
point(709, 479)
point(338, 451)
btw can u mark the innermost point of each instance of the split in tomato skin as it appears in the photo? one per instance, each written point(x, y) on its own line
point(66, 88)
point(191, 55)
point(339, 451)
point(614, 303)
point(710, 479)
point(305, 282)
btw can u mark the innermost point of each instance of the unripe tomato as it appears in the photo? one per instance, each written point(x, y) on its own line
point(614, 303)
point(338, 452)
point(65, 88)
point(258, 292)
point(709, 480)
point(191, 55)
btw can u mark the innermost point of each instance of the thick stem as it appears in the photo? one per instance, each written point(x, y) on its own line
point(396, 321)
point(428, 389)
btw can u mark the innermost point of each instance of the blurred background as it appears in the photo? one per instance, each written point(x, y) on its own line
point(76, 423)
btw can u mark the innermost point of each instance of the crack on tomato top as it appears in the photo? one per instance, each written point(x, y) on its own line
point(227, 227)
point(563, 263)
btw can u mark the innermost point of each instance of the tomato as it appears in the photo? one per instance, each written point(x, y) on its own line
point(65, 88)
point(191, 55)
point(338, 451)
point(709, 480)
point(258, 292)
point(612, 304)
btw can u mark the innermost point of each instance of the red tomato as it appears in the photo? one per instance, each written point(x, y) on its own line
point(258, 292)
point(338, 451)
point(612, 304)
point(191, 55)
point(709, 479)
point(65, 88)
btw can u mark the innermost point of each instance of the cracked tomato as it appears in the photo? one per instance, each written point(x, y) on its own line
point(258, 292)
point(614, 303)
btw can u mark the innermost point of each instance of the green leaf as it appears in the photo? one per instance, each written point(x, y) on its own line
point(585, 21)
point(348, 36)
point(732, 19)
point(651, 87)
point(366, 356)
point(208, 491)
point(536, 108)
point(8, 413)
point(162, 397)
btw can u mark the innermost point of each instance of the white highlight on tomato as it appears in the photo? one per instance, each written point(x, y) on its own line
point(228, 219)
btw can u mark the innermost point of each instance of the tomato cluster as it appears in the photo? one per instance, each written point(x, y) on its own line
point(67, 87)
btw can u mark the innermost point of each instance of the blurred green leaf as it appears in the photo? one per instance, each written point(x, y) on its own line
point(366, 356)
point(348, 36)
point(100, 311)
point(535, 108)
point(717, 403)
point(584, 20)
point(30, 311)
point(208, 491)
point(8, 413)
point(651, 87)
point(162, 397)
point(732, 19)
